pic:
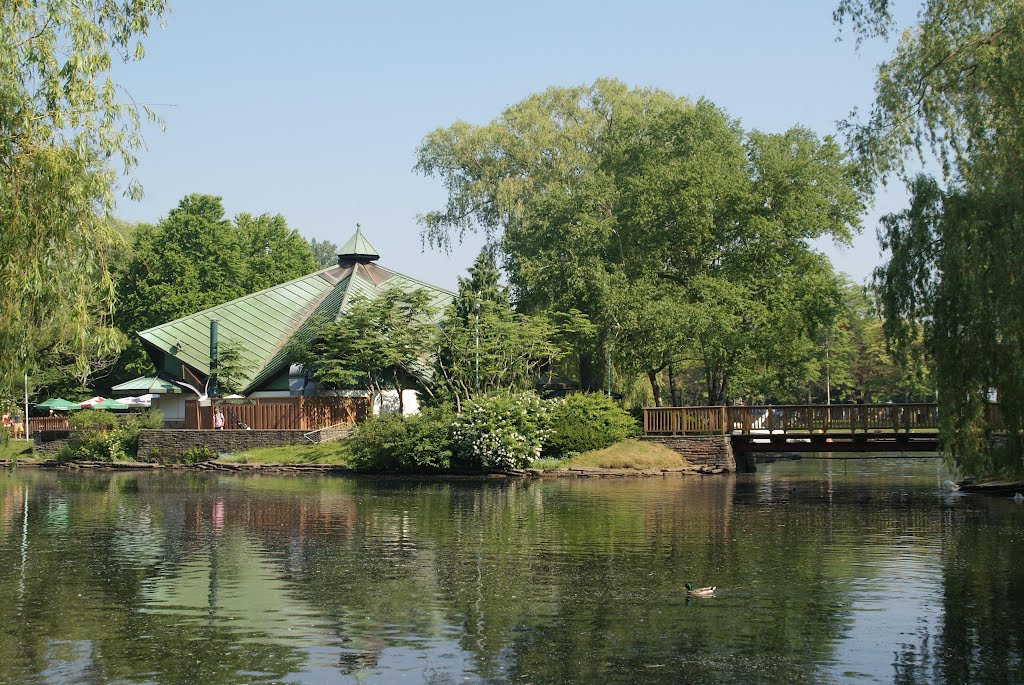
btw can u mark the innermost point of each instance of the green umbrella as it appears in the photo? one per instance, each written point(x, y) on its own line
point(58, 404)
point(110, 405)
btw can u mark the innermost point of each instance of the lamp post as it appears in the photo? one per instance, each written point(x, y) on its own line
point(26, 407)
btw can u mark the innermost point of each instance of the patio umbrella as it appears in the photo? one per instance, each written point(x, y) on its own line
point(110, 405)
point(89, 402)
point(140, 401)
point(58, 404)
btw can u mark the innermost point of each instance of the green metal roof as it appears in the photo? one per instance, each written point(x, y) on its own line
point(264, 322)
point(358, 246)
point(151, 383)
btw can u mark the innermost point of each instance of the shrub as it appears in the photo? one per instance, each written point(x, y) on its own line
point(501, 430)
point(102, 436)
point(392, 442)
point(581, 422)
point(93, 419)
point(195, 455)
point(85, 446)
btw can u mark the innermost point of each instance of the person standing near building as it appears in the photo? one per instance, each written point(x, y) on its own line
point(218, 419)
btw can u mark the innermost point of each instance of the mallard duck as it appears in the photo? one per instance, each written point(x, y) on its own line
point(692, 591)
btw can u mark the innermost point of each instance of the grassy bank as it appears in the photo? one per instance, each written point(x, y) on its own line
point(627, 454)
point(338, 452)
point(16, 449)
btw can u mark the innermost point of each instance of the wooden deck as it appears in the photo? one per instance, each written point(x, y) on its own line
point(806, 428)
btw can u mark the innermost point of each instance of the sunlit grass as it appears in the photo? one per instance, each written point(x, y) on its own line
point(628, 454)
point(337, 452)
point(16, 449)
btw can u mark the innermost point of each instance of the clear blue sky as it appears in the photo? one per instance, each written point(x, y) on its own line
point(314, 109)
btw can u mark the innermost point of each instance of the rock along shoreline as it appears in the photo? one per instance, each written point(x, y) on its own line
point(338, 470)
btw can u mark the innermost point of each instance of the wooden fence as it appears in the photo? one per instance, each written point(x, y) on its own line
point(279, 413)
point(48, 423)
point(792, 419)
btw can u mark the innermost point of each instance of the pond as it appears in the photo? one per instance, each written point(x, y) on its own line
point(853, 571)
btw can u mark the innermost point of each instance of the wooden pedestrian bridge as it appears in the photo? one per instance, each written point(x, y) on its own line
point(805, 428)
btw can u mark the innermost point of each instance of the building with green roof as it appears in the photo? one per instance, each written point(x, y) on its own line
point(261, 325)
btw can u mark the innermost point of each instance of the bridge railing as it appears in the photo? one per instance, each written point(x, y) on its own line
point(785, 419)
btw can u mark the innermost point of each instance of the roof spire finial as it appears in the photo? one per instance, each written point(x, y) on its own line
point(357, 249)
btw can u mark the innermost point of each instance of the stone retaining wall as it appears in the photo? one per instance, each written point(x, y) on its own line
point(168, 443)
point(701, 450)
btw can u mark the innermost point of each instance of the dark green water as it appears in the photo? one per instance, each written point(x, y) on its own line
point(856, 572)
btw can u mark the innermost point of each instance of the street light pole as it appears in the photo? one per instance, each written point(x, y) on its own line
point(26, 406)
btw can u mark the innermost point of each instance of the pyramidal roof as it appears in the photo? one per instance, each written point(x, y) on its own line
point(263, 323)
point(357, 248)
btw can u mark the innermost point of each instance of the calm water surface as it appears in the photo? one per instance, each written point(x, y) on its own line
point(846, 572)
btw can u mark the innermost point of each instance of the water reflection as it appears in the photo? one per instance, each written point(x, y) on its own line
point(829, 572)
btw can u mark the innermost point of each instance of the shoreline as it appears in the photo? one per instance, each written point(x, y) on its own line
point(217, 466)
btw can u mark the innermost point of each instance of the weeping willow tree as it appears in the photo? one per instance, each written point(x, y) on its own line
point(952, 92)
point(66, 132)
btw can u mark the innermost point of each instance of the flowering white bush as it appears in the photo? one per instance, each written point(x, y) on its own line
point(501, 430)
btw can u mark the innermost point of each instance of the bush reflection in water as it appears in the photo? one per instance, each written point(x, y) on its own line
point(828, 572)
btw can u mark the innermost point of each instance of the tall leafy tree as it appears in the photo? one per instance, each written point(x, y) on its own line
point(196, 258)
point(604, 195)
point(65, 132)
point(486, 345)
point(325, 253)
point(386, 341)
point(951, 92)
point(271, 252)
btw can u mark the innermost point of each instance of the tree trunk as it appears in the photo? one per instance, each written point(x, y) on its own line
point(652, 376)
point(675, 395)
point(590, 372)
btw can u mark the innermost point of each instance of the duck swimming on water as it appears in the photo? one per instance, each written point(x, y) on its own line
point(692, 591)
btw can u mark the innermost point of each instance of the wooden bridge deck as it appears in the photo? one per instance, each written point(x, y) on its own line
point(806, 428)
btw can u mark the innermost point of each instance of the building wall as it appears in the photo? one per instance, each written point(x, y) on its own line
point(172, 407)
point(387, 402)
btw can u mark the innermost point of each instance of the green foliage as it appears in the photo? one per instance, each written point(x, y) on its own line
point(325, 253)
point(385, 341)
point(196, 455)
point(501, 430)
point(232, 370)
point(679, 235)
point(581, 422)
point(195, 259)
point(485, 345)
point(851, 352)
point(951, 91)
point(64, 126)
point(390, 442)
point(99, 435)
point(93, 419)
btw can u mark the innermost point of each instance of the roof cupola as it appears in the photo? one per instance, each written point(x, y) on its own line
point(357, 250)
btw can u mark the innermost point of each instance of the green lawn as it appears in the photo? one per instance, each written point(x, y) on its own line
point(16, 449)
point(337, 452)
